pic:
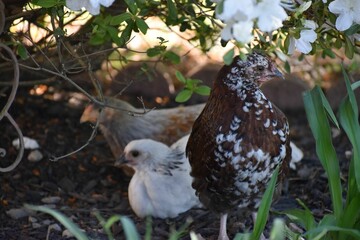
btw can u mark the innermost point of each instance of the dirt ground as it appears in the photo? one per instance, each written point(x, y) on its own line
point(87, 181)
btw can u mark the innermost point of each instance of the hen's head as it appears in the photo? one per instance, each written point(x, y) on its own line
point(256, 69)
point(144, 153)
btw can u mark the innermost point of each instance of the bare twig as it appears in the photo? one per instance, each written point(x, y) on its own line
point(4, 111)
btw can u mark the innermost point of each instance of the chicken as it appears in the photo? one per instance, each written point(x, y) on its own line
point(119, 127)
point(161, 185)
point(238, 140)
point(166, 125)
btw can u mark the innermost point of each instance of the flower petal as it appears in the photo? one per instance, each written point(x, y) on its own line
point(76, 5)
point(308, 35)
point(343, 22)
point(242, 31)
point(291, 48)
point(303, 46)
point(338, 6)
point(270, 15)
point(226, 32)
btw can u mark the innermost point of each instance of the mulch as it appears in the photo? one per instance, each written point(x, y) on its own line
point(86, 182)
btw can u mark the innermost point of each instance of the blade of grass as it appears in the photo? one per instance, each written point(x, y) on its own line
point(348, 116)
point(263, 211)
point(322, 230)
point(304, 217)
point(128, 226)
point(148, 228)
point(68, 224)
point(278, 231)
point(325, 150)
point(355, 85)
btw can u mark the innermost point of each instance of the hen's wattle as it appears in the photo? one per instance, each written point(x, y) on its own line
point(238, 140)
point(161, 185)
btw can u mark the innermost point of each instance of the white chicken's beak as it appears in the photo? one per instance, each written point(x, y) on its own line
point(120, 161)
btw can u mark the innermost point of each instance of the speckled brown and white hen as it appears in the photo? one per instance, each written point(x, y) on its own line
point(238, 140)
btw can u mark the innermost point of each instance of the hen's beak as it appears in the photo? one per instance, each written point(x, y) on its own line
point(278, 74)
point(120, 161)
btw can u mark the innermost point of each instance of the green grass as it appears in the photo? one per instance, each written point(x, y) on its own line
point(344, 220)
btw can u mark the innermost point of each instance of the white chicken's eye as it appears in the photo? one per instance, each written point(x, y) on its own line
point(135, 153)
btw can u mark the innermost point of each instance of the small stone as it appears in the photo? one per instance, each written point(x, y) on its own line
point(304, 172)
point(36, 225)
point(335, 132)
point(55, 227)
point(35, 156)
point(17, 213)
point(46, 222)
point(51, 200)
point(67, 234)
point(348, 154)
point(32, 219)
point(28, 143)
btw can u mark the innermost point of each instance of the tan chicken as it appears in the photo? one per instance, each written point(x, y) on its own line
point(120, 127)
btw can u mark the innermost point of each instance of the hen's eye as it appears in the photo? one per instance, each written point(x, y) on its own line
point(135, 153)
point(261, 68)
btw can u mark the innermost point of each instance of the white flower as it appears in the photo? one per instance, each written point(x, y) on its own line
point(270, 15)
point(307, 36)
point(242, 31)
point(92, 6)
point(232, 10)
point(348, 11)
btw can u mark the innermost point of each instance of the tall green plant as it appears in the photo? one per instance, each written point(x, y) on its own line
point(344, 221)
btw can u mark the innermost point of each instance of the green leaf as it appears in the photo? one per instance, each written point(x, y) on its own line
point(45, 3)
point(351, 213)
point(328, 109)
point(348, 116)
point(349, 48)
point(325, 150)
point(97, 39)
point(203, 90)
point(22, 52)
point(303, 217)
point(287, 67)
point(322, 230)
point(173, 57)
point(142, 25)
point(127, 224)
point(355, 85)
point(126, 34)
point(242, 236)
point(157, 50)
point(68, 224)
point(116, 20)
point(173, 13)
point(183, 95)
point(329, 52)
point(132, 6)
point(263, 211)
point(229, 56)
point(113, 32)
point(180, 77)
point(352, 30)
point(278, 230)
